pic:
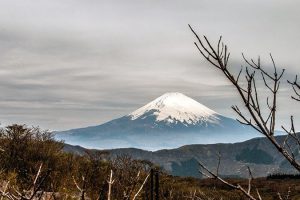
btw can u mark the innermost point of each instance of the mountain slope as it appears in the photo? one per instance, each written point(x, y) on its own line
point(169, 121)
point(258, 153)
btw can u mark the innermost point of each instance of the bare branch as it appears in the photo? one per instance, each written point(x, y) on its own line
point(249, 180)
point(258, 194)
point(135, 196)
point(296, 88)
point(110, 183)
point(236, 187)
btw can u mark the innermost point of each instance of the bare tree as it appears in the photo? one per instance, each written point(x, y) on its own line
point(254, 114)
point(219, 58)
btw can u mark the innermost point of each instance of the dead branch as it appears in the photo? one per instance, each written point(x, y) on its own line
point(130, 190)
point(82, 189)
point(141, 187)
point(236, 187)
point(110, 183)
point(296, 88)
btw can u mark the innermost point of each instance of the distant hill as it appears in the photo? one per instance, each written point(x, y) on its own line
point(258, 154)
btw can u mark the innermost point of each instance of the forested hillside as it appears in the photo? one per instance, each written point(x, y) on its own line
point(34, 166)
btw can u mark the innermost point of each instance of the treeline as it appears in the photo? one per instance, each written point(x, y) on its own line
point(283, 176)
point(34, 166)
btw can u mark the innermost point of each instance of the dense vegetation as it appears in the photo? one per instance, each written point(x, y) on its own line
point(254, 155)
point(32, 163)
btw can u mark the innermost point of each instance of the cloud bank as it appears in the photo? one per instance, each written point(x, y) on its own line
point(67, 64)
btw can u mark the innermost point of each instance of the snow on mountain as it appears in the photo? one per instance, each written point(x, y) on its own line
point(172, 120)
point(176, 107)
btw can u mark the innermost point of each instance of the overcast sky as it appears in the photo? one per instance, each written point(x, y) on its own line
point(74, 63)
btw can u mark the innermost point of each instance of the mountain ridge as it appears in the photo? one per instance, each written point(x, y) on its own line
point(257, 153)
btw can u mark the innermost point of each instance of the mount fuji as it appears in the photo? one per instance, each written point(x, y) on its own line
point(170, 121)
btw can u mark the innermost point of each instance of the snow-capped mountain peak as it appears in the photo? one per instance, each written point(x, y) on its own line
point(176, 107)
point(169, 121)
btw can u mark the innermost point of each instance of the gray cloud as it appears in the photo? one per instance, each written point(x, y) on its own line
point(67, 64)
